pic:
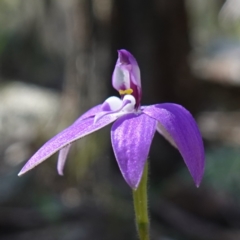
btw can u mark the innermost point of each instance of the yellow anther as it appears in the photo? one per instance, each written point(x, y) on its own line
point(127, 91)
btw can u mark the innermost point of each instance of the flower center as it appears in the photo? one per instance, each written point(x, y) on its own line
point(125, 92)
point(114, 105)
point(128, 104)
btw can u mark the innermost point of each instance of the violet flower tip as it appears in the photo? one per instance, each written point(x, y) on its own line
point(20, 173)
point(197, 183)
point(134, 186)
point(24, 170)
point(60, 170)
point(123, 56)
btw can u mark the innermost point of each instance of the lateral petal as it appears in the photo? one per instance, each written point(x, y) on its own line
point(131, 137)
point(62, 157)
point(183, 132)
point(67, 136)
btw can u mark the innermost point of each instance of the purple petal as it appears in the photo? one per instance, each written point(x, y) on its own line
point(126, 75)
point(62, 157)
point(164, 133)
point(184, 132)
point(90, 113)
point(67, 136)
point(126, 57)
point(131, 140)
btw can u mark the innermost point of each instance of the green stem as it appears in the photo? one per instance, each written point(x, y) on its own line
point(140, 206)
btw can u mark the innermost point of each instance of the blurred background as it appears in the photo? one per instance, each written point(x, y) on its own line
point(56, 61)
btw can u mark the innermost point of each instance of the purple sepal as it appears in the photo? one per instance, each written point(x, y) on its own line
point(67, 136)
point(127, 58)
point(131, 137)
point(184, 133)
point(126, 75)
point(63, 153)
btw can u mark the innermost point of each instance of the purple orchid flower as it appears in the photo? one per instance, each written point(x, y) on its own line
point(133, 130)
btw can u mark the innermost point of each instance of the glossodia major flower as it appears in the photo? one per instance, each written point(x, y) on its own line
point(133, 129)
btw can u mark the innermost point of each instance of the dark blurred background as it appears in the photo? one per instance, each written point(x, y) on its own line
point(56, 61)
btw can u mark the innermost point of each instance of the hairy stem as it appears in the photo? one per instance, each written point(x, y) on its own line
point(140, 206)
